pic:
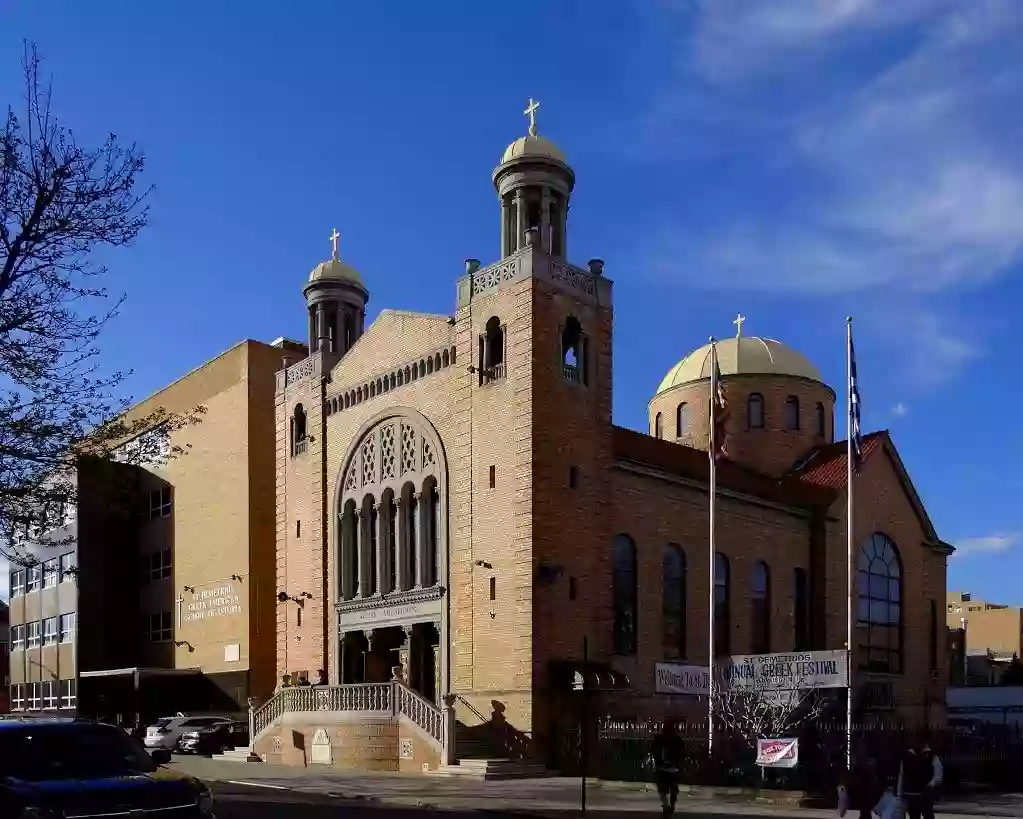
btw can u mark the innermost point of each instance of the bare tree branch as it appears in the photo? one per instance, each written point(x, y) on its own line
point(59, 203)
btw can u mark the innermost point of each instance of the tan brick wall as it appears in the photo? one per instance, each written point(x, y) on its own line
point(995, 629)
point(881, 505)
point(656, 511)
point(219, 488)
point(772, 449)
point(358, 743)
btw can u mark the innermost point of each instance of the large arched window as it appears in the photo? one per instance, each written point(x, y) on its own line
point(760, 605)
point(722, 606)
point(658, 426)
point(390, 512)
point(792, 413)
point(681, 420)
point(755, 411)
point(879, 611)
point(673, 600)
point(800, 611)
point(626, 595)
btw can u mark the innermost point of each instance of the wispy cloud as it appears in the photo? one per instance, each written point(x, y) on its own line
point(990, 544)
point(906, 178)
point(900, 410)
point(885, 140)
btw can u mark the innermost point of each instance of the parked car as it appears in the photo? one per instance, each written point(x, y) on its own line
point(69, 767)
point(215, 739)
point(166, 732)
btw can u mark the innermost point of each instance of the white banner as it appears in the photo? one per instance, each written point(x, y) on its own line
point(778, 753)
point(681, 679)
point(789, 672)
point(778, 672)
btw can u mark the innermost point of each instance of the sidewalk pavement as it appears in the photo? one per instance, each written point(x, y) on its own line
point(547, 797)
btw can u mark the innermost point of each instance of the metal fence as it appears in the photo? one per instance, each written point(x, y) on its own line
point(976, 756)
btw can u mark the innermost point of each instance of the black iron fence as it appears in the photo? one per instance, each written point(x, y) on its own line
point(975, 756)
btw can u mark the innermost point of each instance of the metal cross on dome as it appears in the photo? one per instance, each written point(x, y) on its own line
point(530, 112)
point(333, 243)
point(739, 319)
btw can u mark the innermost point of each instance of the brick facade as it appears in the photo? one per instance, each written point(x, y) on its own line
point(537, 483)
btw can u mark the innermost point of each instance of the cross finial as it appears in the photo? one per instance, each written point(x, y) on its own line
point(530, 112)
point(333, 243)
point(739, 319)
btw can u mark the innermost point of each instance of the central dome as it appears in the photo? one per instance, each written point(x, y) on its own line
point(745, 355)
point(336, 270)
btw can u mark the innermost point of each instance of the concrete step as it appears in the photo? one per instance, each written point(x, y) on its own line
point(236, 755)
point(489, 769)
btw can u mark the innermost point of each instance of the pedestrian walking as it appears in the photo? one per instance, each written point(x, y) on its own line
point(862, 788)
point(919, 777)
point(667, 753)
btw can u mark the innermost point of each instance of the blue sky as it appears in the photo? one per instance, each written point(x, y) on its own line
point(796, 161)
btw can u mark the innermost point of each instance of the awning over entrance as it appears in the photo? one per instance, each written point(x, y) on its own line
point(576, 675)
point(139, 674)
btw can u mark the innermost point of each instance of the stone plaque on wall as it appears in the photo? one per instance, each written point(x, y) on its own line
point(406, 749)
point(321, 748)
point(390, 615)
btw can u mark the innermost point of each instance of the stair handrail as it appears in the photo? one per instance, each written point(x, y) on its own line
point(419, 710)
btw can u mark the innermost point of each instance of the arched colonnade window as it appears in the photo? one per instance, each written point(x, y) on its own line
point(390, 512)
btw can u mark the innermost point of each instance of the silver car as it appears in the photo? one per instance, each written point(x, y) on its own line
point(166, 732)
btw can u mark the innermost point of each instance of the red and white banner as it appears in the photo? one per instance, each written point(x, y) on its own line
point(778, 753)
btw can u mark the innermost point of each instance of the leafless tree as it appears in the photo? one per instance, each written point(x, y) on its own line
point(59, 203)
point(760, 707)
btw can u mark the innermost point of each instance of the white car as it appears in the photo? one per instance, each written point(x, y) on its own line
point(166, 732)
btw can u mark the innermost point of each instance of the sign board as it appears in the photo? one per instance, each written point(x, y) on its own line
point(682, 679)
point(777, 753)
point(321, 748)
point(768, 672)
point(219, 601)
point(789, 672)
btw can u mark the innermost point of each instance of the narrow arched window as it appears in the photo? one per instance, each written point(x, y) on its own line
point(879, 608)
point(755, 411)
point(760, 608)
point(932, 612)
point(681, 420)
point(722, 606)
point(658, 426)
point(800, 611)
point(821, 423)
point(573, 351)
point(673, 601)
point(492, 351)
point(792, 413)
point(298, 430)
point(625, 594)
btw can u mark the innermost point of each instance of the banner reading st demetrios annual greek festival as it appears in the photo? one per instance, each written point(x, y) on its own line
point(780, 672)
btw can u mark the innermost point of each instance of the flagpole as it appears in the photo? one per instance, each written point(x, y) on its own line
point(712, 450)
point(849, 624)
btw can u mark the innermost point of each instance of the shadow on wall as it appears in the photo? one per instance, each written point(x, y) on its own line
point(496, 734)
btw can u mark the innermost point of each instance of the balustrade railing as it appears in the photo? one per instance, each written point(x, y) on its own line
point(392, 698)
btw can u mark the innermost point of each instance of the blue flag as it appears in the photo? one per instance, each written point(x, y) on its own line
point(854, 409)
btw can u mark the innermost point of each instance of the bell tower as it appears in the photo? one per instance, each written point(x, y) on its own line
point(337, 299)
point(534, 184)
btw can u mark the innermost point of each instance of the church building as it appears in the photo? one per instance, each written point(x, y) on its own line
point(457, 511)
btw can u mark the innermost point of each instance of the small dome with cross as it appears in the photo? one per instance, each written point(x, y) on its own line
point(334, 269)
point(532, 145)
point(742, 355)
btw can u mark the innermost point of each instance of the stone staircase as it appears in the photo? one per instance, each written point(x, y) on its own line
point(477, 760)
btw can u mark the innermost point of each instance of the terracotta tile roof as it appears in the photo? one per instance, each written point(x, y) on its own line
point(827, 467)
point(694, 464)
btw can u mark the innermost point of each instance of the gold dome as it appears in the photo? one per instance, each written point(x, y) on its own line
point(745, 355)
point(531, 145)
point(336, 270)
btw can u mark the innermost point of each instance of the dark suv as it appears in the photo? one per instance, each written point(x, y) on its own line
point(55, 768)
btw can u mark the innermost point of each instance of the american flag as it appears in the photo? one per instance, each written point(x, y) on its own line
point(854, 409)
point(718, 410)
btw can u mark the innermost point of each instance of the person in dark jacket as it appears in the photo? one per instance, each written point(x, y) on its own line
point(667, 754)
point(863, 786)
point(920, 775)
